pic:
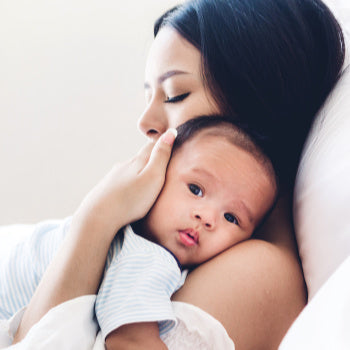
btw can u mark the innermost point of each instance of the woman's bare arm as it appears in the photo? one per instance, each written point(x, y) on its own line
point(255, 289)
point(124, 195)
point(136, 336)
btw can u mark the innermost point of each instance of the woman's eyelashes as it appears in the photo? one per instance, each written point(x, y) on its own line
point(177, 98)
point(196, 190)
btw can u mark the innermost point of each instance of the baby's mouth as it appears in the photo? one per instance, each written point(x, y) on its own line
point(189, 237)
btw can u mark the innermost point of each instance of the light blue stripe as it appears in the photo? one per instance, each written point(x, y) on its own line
point(137, 285)
point(22, 271)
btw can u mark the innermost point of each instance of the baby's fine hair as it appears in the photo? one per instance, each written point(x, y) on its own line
point(217, 125)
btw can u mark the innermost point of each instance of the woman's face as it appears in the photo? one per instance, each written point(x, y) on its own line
point(174, 88)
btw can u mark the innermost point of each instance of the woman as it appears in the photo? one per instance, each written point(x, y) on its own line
point(268, 63)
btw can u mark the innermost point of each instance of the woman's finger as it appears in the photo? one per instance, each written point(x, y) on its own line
point(161, 152)
point(142, 157)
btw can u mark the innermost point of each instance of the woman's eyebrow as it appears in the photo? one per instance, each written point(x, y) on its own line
point(166, 76)
point(169, 74)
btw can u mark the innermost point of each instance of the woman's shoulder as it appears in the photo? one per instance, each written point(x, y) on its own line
point(255, 289)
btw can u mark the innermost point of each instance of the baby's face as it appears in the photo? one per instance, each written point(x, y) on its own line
point(214, 196)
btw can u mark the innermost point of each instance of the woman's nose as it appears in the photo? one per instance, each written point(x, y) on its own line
point(206, 216)
point(153, 121)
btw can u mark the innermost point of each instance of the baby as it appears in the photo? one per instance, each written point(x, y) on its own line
point(218, 188)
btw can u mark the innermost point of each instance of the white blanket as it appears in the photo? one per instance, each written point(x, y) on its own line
point(324, 324)
point(72, 325)
point(68, 326)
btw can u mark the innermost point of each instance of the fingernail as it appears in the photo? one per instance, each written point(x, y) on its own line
point(173, 131)
point(169, 136)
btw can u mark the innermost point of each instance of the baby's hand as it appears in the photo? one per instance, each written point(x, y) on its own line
point(129, 190)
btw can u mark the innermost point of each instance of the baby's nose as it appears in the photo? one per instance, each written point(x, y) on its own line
point(206, 217)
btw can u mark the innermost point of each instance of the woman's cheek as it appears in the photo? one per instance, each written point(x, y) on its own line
point(181, 115)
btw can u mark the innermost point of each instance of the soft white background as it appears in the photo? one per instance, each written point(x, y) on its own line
point(71, 91)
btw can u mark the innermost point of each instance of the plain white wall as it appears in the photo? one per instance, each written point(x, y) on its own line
point(71, 91)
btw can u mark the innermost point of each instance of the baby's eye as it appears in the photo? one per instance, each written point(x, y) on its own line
point(195, 190)
point(231, 218)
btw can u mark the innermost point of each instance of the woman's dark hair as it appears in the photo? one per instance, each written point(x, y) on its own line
point(270, 64)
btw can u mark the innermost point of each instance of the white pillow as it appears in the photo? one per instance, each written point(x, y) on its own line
point(324, 322)
point(322, 192)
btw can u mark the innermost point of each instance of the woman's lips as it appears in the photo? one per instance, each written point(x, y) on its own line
point(189, 237)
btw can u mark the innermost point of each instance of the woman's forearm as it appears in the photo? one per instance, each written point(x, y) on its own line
point(136, 336)
point(124, 195)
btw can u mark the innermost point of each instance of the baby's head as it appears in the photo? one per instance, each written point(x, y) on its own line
point(218, 188)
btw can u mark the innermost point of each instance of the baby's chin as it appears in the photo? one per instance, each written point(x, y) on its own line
point(188, 266)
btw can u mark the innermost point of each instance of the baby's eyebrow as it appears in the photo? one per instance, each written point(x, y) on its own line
point(166, 76)
point(204, 172)
point(246, 210)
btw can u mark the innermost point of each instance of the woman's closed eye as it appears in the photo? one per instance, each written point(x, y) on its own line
point(177, 98)
point(196, 190)
point(231, 218)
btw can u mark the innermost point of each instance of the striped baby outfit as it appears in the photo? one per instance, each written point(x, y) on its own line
point(139, 279)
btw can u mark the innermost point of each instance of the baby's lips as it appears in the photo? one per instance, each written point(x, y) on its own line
point(192, 233)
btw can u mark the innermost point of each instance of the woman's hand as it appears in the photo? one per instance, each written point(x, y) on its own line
point(124, 195)
point(129, 190)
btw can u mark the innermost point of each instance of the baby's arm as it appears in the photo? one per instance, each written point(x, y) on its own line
point(135, 336)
